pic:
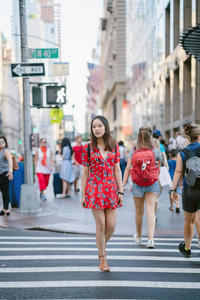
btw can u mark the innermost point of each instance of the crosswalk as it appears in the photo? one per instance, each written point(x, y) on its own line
point(66, 267)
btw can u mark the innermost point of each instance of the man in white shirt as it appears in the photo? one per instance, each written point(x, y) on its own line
point(179, 141)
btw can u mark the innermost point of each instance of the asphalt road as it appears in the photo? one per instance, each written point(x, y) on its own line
point(47, 265)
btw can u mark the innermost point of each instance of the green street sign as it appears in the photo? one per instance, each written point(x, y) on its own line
point(43, 53)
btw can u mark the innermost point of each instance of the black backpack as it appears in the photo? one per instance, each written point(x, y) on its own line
point(191, 167)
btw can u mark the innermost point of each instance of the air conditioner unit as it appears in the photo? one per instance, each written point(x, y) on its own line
point(103, 24)
point(109, 6)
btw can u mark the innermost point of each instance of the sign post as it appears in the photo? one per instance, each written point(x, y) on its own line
point(28, 195)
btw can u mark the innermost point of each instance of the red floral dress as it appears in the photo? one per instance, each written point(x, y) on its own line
point(101, 189)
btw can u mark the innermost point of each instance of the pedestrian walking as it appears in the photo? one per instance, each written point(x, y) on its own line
point(43, 166)
point(123, 156)
point(188, 166)
point(172, 167)
point(77, 167)
point(6, 174)
point(179, 141)
point(102, 183)
point(143, 165)
point(66, 168)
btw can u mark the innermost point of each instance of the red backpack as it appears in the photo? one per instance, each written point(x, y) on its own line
point(145, 170)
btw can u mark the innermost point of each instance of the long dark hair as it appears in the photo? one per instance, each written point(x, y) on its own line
point(144, 137)
point(66, 142)
point(5, 140)
point(107, 138)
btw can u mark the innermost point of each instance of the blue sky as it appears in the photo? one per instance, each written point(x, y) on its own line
point(79, 28)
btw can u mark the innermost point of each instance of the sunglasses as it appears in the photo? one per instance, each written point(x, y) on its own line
point(2, 142)
point(44, 142)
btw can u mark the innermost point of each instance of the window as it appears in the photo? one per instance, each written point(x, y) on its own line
point(114, 110)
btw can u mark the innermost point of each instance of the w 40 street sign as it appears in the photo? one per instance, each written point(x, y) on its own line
point(43, 53)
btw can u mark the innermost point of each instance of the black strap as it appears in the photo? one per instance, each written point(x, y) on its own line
point(88, 151)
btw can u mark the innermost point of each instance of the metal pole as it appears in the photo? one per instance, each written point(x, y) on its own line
point(28, 196)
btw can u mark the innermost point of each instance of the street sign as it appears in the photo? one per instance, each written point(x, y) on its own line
point(27, 70)
point(60, 69)
point(56, 94)
point(43, 53)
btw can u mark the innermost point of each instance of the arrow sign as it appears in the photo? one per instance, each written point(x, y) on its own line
point(27, 70)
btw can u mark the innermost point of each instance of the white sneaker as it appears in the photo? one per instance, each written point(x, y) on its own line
point(137, 240)
point(198, 242)
point(150, 244)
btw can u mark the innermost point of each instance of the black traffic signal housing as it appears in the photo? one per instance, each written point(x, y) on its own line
point(37, 96)
point(56, 94)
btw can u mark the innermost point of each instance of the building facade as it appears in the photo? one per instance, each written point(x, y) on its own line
point(10, 106)
point(162, 81)
point(113, 61)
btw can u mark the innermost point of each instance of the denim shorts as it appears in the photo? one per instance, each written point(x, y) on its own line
point(139, 191)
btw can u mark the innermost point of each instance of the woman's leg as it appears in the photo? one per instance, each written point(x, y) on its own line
point(150, 200)
point(64, 189)
point(197, 222)
point(139, 212)
point(189, 228)
point(46, 176)
point(110, 222)
point(68, 189)
point(100, 219)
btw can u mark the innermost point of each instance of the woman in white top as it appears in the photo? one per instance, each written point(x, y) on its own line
point(43, 166)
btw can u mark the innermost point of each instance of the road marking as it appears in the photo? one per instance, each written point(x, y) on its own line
point(83, 238)
point(87, 243)
point(90, 257)
point(94, 249)
point(96, 269)
point(100, 283)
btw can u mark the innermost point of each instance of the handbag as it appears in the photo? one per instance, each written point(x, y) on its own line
point(164, 177)
point(15, 163)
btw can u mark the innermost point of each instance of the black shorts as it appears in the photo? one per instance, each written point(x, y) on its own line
point(191, 200)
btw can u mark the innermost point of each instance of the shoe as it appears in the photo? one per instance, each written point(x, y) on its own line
point(177, 210)
point(43, 198)
point(182, 249)
point(3, 213)
point(137, 240)
point(150, 244)
point(171, 208)
point(198, 242)
point(77, 190)
point(68, 196)
point(103, 264)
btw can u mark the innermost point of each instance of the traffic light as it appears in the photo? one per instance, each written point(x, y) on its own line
point(20, 142)
point(35, 140)
point(37, 96)
point(56, 94)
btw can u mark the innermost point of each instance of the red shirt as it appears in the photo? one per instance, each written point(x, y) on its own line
point(78, 153)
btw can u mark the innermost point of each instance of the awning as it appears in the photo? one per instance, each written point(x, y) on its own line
point(190, 41)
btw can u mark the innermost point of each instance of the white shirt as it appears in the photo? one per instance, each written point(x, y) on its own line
point(179, 142)
point(39, 167)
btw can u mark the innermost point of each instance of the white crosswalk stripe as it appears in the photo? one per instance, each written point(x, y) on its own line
point(132, 266)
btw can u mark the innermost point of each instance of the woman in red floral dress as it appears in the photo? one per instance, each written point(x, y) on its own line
point(102, 183)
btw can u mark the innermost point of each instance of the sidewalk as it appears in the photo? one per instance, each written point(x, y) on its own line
point(67, 215)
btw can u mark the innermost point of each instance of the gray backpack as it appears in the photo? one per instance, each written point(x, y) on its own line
point(191, 167)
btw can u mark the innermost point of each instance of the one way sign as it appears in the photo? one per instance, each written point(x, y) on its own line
point(27, 70)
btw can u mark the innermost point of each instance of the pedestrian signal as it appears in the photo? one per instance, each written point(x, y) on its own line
point(56, 95)
point(37, 96)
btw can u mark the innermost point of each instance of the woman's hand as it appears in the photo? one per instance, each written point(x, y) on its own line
point(83, 202)
point(120, 199)
point(174, 197)
point(10, 175)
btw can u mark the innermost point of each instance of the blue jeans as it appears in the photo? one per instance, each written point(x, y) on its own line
point(122, 166)
point(139, 191)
